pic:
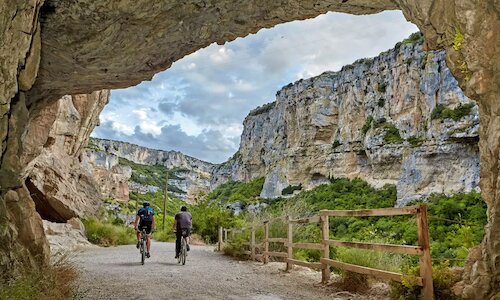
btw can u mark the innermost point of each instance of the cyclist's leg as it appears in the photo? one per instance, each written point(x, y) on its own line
point(148, 239)
point(138, 234)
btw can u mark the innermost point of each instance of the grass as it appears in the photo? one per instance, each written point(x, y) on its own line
point(55, 282)
point(108, 234)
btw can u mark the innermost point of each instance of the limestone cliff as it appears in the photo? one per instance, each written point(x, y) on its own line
point(399, 118)
point(111, 177)
point(191, 174)
point(55, 139)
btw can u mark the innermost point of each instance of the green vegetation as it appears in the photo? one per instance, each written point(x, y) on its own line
point(368, 124)
point(336, 144)
point(235, 191)
point(108, 233)
point(92, 146)
point(263, 109)
point(443, 112)
point(290, 189)
point(416, 141)
point(455, 225)
point(458, 39)
point(416, 37)
point(208, 216)
point(152, 175)
point(443, 278)
point(382, 87)
point(381, 102)
point(391, 135)
point(54, 282)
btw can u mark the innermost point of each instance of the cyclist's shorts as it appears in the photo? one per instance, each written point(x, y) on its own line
point(147, 226)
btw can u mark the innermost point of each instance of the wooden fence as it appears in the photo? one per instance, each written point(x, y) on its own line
point(422, 250)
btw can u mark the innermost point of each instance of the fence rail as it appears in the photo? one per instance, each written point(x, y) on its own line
point(422, 250)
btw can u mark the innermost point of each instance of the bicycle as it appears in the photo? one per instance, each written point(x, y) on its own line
point(143, 244)
point(183, 252)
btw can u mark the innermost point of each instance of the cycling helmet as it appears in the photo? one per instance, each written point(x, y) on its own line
point(145, 204)
point(184, 208)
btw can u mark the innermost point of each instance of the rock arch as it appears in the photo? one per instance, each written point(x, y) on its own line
point(56, 47)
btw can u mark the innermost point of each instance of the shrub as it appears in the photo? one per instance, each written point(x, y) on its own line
point(392, 135)
point(208, 217)
point(262, 109)
point(236, 191)
point(290, 189)
point(415, 141)
point(381, 102)
point(443, 277)
point(443, 112)
point(336, 144)
point(368, 124)
point(55, 281)
point(416, 37)
point(458, 39)
point(106, 234)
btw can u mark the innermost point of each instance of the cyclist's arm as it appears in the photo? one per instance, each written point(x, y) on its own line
point(136, 222)
point(174, 227)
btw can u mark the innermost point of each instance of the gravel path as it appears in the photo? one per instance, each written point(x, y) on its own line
point(116, 273)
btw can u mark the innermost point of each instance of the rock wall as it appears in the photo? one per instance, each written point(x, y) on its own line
point(111, 177)
point(54, 141)
point(377, 119)
point(194, 174)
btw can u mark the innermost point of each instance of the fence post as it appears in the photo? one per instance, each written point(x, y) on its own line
point(220, 239)
point(289, 266)
point(252, 244)
point(425, 258)
point(325, 235)
point(266, 242)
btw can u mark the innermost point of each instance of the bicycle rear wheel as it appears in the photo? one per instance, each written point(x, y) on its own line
point(183, 251)
point(143, 251)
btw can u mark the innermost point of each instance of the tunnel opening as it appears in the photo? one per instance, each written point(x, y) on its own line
point(42, 204)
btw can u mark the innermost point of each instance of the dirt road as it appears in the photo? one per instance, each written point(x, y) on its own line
point(115, 273)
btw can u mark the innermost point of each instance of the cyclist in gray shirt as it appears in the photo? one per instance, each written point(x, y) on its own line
point(183, 222)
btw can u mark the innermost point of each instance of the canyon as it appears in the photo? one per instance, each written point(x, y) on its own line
point(54, 48)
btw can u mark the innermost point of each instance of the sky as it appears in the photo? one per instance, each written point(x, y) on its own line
point(198, 106)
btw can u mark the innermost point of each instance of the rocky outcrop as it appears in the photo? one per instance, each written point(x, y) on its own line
point(84, 45)
point(191, 175)
point(60, 187)
point(22, 241)
point(111, 177)
point(65, 237)
point(385, 120)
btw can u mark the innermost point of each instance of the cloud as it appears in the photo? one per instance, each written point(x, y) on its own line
point(198, 105)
